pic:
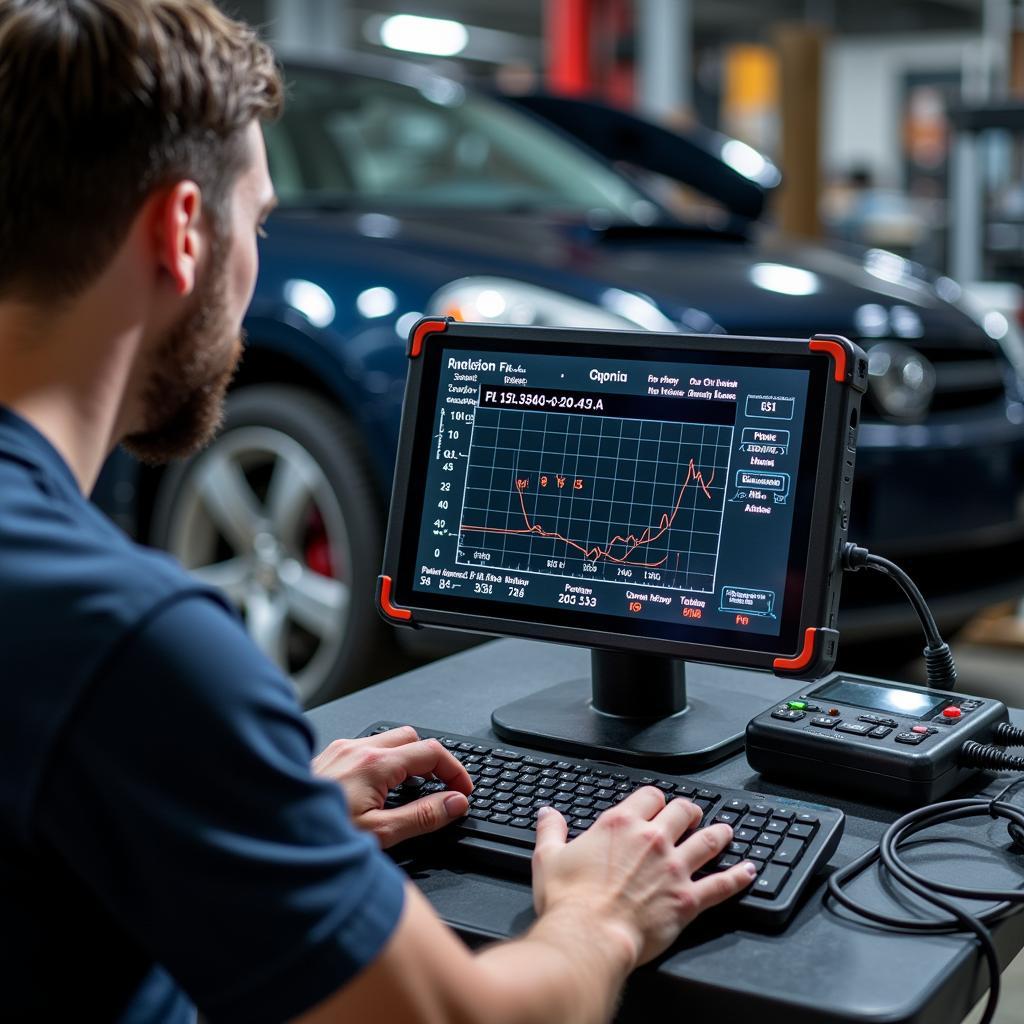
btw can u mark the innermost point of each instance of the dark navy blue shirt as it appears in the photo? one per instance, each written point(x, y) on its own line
point(162, 841)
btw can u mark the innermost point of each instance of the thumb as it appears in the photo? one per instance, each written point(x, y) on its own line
point(427, 814)
point(552, 829)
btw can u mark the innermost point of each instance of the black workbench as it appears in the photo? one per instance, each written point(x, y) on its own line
point(825, 966)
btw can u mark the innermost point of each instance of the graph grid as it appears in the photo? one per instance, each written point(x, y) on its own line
point(595, 497)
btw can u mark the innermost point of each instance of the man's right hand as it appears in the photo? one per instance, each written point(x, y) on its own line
point(628, 873)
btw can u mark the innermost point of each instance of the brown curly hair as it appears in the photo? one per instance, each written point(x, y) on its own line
point(102, 102)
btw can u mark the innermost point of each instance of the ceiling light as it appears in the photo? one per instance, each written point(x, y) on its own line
point(438, 37)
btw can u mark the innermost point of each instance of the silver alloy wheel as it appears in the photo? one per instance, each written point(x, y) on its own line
point(253, 548)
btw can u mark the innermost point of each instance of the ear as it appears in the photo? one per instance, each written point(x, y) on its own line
point(178, 234)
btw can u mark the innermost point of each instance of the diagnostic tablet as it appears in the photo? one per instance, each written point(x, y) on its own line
point(678, 495)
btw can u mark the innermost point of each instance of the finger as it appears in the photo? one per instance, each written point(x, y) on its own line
point(392, 738)
point(678, 817)
point(703, 845)
point(417, 818)
point(426, 757)
point(645, 802)
point(552, 829)
point(720, 886)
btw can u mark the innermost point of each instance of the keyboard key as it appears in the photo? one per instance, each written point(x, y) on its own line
point(685, 791)
point(784, 813)
point(708, 794)
point(760, 853)
point(770, 881)
point(500, 819)
point(604, 794)
point(584, 790)
point(789, 851)
point(506, 755)
point(775, 825)
point(806, 818)
point(540, 762)
point(753, 821)
point(466, 748)
point(744, 835)
point(739, 849)
point(580, 824)
point(801, 831)
point(602, 805)
point(769, 839)
point(739, 806)
point(727, 860)
point(764, 810)
point(521, 823)
point(728, 818)
point(503, 807)
point(477, 812)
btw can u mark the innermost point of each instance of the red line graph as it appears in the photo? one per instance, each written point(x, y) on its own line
point(630, 540)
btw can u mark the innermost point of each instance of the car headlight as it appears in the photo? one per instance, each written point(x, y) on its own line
point(501, 300)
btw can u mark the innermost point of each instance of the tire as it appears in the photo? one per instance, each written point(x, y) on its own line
point(280, 512)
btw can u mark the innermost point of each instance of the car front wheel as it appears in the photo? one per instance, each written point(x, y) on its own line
point(280, 513)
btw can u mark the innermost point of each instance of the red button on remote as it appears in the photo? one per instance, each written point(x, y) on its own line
point(951, 713)
point(919, 728)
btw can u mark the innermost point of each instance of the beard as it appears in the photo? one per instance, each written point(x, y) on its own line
point(189, 375)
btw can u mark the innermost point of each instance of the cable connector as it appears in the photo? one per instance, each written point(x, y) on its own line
point(989, 758)
point(1006, 735)
point(855, 557)
point(938, 658)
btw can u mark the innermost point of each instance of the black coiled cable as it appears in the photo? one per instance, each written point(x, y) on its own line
point(936, 893)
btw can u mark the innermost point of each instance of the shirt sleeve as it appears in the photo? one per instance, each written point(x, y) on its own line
point(181, 795)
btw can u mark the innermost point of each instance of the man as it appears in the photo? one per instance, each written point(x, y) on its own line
point(163, 841)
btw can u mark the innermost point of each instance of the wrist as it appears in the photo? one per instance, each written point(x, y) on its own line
point(619, 943)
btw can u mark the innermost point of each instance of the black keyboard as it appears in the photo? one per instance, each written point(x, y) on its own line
point(789, 840)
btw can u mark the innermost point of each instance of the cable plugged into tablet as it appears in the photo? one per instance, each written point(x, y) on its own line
point(938, 658)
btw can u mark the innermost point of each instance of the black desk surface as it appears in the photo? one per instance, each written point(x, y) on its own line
point(825, 966)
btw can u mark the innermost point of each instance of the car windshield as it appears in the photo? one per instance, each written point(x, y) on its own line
point(350, 140)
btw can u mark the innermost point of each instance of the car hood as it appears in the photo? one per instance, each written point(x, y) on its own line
point(742, 285)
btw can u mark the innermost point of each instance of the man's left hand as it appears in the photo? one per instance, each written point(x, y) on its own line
point(367, 768)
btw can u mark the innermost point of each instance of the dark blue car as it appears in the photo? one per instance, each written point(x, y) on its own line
point(404, 194)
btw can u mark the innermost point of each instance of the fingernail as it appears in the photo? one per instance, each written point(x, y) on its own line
point(750, 867)
point(543, 812)
point(453, 805)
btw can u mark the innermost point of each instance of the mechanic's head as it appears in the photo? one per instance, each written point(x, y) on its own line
point(133, 164)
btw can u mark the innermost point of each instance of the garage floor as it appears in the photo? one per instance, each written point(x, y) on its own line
point(999, 673)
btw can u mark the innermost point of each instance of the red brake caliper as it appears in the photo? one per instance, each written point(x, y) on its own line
point(318, 548)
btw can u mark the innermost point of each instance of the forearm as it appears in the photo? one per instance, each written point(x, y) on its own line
point(570, 967)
